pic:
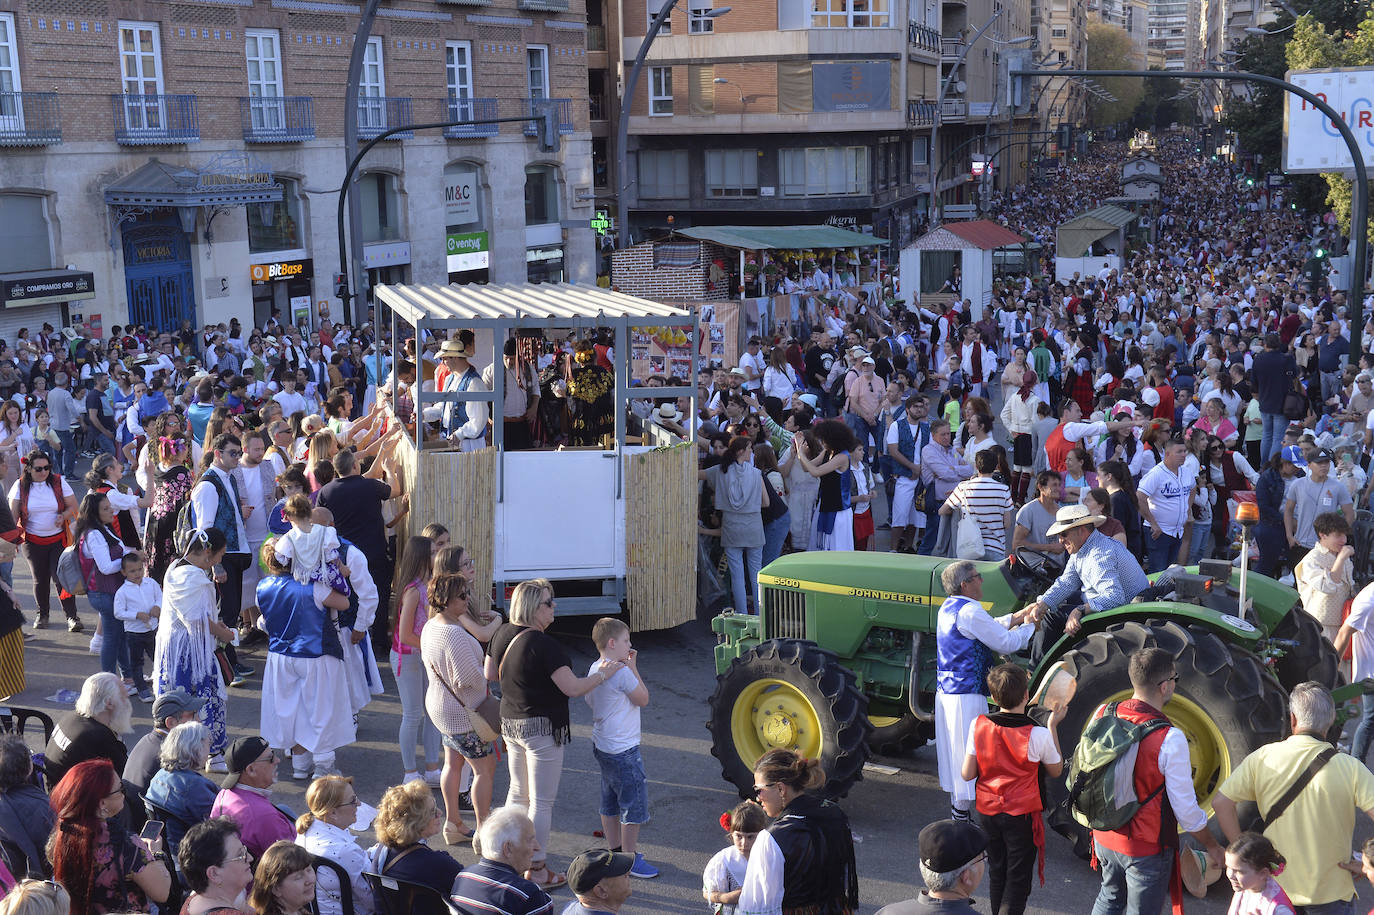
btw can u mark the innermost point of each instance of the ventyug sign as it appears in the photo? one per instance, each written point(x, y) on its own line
point(467, 251)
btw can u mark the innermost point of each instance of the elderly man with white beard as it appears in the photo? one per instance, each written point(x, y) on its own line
point(93, 731)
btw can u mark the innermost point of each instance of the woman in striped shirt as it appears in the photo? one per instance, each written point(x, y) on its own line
point(988, 501)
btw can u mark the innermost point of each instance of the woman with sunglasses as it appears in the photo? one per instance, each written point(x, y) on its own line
point(217, 868)
point(43, 505)
point(103, 867)
point(323, 831)
point(804, 862)
point(188, 632)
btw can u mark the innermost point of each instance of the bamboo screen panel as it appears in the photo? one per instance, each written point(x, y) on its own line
point(661, 537)
point(458, 490)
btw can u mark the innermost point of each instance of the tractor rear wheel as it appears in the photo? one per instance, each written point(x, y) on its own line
point(1225, 702)
point(790, 694)
point(1314, 658)
point(895, 736)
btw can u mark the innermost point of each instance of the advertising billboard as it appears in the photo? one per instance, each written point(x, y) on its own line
point(1311, 143)
point(851, 86)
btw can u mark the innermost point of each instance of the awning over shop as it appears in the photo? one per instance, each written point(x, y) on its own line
point(1075, 237)
point(230, 179)
point(43, 287)
point(525, 305)
point(788, 238)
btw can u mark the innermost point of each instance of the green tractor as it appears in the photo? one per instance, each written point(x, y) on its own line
point(841, 662)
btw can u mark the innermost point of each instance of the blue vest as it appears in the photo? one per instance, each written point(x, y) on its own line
point(225, 506)
point(961, 663)
point(906, 443)
point(350, 616)
point(295, 626)
point(460, 409)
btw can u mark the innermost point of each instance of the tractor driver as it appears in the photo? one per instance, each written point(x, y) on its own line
point(1100, 569)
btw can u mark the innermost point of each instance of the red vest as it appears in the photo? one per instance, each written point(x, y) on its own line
point(1057, 449)
point(1008, 782)
point(1153, 827)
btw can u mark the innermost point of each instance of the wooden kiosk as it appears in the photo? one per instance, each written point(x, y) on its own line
point(613, 528)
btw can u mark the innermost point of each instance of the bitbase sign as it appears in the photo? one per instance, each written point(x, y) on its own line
point(1311, 142)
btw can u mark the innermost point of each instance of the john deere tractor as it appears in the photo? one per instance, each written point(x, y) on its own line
point(840, 664)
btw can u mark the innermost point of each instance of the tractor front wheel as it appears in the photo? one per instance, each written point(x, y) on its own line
point(789, 694)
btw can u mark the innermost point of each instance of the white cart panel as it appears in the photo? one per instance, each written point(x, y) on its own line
point(560, 512)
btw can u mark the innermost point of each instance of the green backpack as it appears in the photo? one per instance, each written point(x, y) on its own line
point(1102, 772)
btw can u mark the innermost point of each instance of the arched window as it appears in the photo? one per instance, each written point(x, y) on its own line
point(381, 204)
point(28, 236)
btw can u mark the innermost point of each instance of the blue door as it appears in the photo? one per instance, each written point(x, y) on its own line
point(157, 271)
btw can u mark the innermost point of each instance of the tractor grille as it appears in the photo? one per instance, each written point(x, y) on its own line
point(784, 614)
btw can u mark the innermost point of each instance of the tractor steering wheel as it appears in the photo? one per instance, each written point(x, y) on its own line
point(1045, 567)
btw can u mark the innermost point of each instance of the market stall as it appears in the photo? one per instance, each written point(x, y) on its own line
point(928, 264)
point(1090, 241)
point(613, 527)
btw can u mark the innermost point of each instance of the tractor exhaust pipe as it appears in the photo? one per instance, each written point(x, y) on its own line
point(913, 685)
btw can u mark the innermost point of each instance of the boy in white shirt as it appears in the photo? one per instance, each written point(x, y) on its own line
point(615, 742)
point(138, 603)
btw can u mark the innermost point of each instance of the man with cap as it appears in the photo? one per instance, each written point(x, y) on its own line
point(1315, 494)
point(1100, 568)
point(520, 396)
point(246, 797)
point(953, 860)
point(464, 422)
point(906, 437)
point(864, 392)
point(174, 707)
point(601, 881)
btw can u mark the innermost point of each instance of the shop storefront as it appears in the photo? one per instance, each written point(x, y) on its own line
point(544, 240)
point(468, 240)
point(545, 264)
point(283, 287)
point(32, 298)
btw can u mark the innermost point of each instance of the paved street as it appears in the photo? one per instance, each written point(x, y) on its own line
point(687, 793)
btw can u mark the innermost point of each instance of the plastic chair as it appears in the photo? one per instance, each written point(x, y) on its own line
point(345, 883)
point(168, 818)
point(395, 896)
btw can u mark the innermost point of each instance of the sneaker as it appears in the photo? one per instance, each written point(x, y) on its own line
point(643, 869)
point(40, 621)
point(239, 680)
point(243, 670)
point(410, 777)
point(130, 689)
point(465, 801)
point(145, 695)
point(432, 777)
point(74, 624)
point(97, 641)
point(322, 771)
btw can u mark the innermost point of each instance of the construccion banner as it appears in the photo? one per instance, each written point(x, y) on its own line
point(851, 86)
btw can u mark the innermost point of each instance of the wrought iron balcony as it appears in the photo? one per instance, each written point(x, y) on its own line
point(278, 119)
point(951, 48)
point(954, 109)
point(596, 38)
point(535, 108)
point(29, 119)
point(150, 120)
point(920, 112)
point(377, 114)
point(471, 109)
point(923, 37)
point(597, 105)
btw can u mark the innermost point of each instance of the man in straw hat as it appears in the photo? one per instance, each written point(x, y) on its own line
point(1100, 568)
point(465, 422)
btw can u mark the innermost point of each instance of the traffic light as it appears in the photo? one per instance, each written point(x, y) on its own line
point(1316, 274)
point(340, 285)
point(548, 129)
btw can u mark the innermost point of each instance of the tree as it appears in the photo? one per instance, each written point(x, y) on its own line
point(1109, 48)
point(1158, 107)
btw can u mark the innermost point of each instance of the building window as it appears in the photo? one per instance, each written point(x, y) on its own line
point(537, 64)
point(381, 203)
point(541, 195)
point(825, 172)
point(660, 91)
point(372, 88)
point(663, 174)
point(920, 151)
point(458, 75)
point(653, 7)
point(1059, 33)
point(11, 113)
point(698, 23)
point(849, 14)
point(281, 230)
point(140, 64)
point(1063, 56)
point(732, 172)
point(28, 238)
point(262, 50)
point(601, 162)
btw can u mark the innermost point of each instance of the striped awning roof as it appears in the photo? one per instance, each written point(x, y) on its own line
point(525, 305)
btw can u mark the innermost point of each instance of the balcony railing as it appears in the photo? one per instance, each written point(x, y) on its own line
point(378, 113)
point(951, 48)
point(597, 104)
point(954, 109)
point(29, 119)
point(547, 6)
point(920, 112)
point(535, 107)
point(277, 119)
point(146, 120)
point(596, 38)
point(923, 37)
point(468, 109)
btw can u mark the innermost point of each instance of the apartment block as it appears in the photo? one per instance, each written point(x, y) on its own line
point(1066, 22)
point(1175, 33)
point(163, 162)
point(1131, 17)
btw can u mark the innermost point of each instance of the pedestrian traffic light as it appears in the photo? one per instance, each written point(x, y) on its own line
point(340, 285)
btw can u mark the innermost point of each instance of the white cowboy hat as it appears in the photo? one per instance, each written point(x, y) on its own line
point(1071, 516)
point(453, 348)
point(668, 413)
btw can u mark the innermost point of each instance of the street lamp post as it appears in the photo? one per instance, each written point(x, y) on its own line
point(622, 144)
point(936, 197)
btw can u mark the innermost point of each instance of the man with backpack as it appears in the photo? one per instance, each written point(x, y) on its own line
point(1136, 845)
point(1307, 794)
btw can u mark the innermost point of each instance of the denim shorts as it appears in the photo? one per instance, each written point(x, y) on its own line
point(624, 790)
point(469, 745)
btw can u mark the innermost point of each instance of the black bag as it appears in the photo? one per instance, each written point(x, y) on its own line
point(1294, 405)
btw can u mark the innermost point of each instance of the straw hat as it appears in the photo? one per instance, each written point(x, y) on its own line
point(453, 348)
point(1197, 870)
point(668, 413)
point(1071, 516)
